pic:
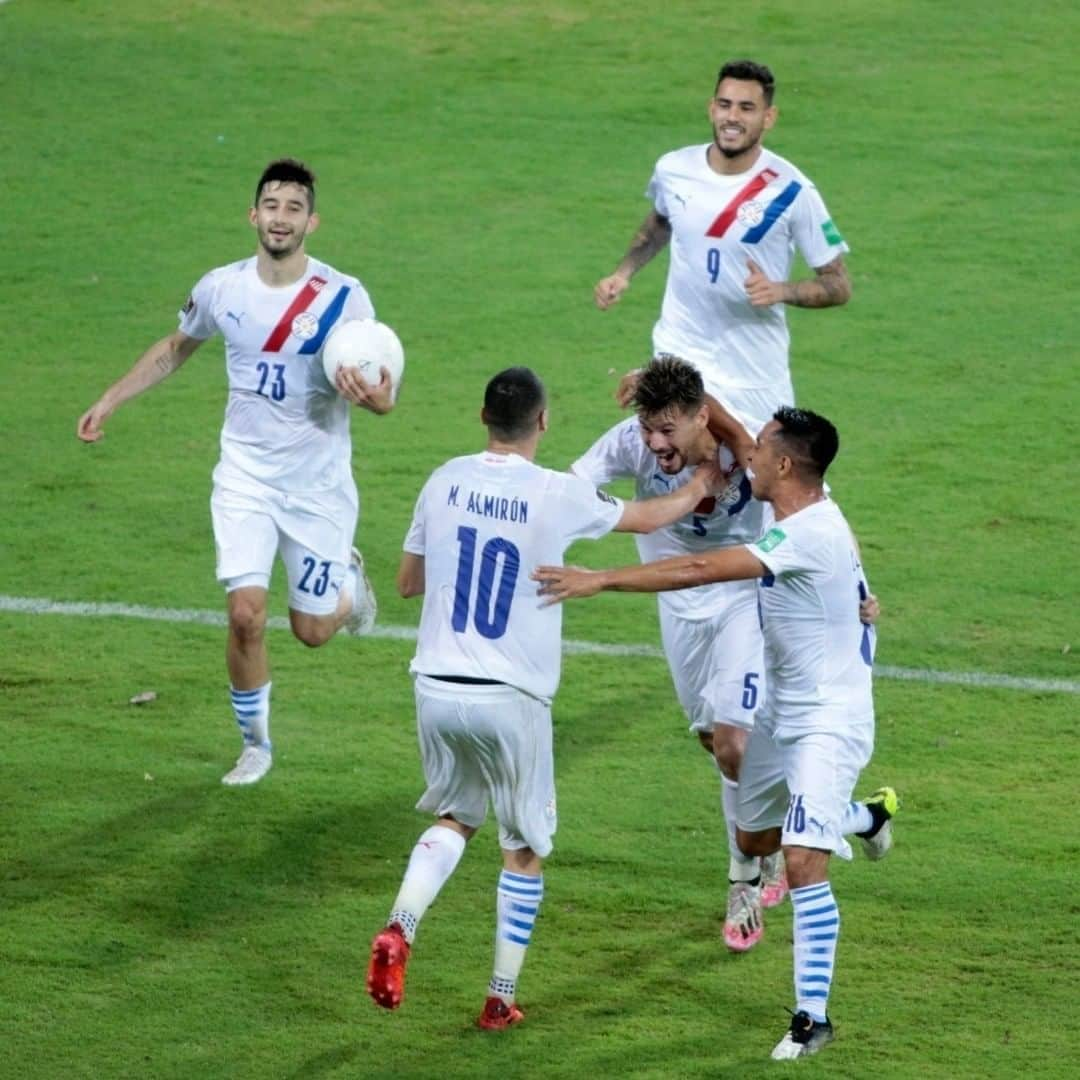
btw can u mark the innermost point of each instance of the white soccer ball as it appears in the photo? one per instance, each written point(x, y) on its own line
point(367, 345)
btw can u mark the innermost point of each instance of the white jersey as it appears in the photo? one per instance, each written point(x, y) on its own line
point(732, 517)
point(285, 425)
point(817, 652)
point(717, 224)
point(483, 523)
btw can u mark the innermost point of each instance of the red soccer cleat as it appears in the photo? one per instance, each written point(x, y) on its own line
point(386, 970)
point(498, 1015)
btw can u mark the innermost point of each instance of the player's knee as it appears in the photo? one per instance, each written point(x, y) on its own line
point(247, 621)
point(310, 630)
point(758, 843)
point(728, 758)
point(805, 866)
point(728, 744)
point(705, 738)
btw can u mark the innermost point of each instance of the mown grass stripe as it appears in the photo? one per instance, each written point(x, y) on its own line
point(37, 605)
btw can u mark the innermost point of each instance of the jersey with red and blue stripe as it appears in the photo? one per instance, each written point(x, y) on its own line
point(718, 224)
point(285, 425)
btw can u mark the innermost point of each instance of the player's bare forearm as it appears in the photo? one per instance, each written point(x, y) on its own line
point(157, 363)
point(684, 571)
point(647, 515)
point(559, 583)
point(724, 426)
point(654, 233)
point(830, 288)
point(650, 239)
point(411, 575)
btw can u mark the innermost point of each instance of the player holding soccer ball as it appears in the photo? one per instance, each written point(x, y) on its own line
point(814, 732)
point(734, 214)
point(487, 666)
point(284, 482)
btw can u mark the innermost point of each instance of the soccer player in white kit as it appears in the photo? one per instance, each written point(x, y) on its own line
point(487, 666)
point(284, 483)
point(814, 731)
point(710, 633)
point(734, 213)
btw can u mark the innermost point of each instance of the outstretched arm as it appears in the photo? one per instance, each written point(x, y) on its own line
point(830, 287)
point(651, 238)
point(682, 572)
point(647, 515)
point(157, 363)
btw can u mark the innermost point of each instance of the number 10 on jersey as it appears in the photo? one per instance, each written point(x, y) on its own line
point(499, 565)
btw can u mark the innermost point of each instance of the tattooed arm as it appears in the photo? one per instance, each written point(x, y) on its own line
point(830, 288)
point(157, 363)
point(651, 238)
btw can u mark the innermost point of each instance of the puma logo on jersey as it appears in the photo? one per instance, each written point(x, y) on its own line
point(235, 318)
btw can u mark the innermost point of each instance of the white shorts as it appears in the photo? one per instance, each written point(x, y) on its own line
point(717, 664)
point(312, 532)
point(481, 743)
point(802, 783)
point(754, 406)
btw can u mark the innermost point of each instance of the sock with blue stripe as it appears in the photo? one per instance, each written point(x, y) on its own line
point(252, 710)
point(433, 860)
point(519, 897)
point(816, 928)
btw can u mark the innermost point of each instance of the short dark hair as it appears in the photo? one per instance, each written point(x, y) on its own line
point(513, 402)
point(669, 383)
point(749, 71)
point(810, 440)
point(288, 170)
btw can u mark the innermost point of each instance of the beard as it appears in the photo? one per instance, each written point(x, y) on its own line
point(736, 151)
point(280, 248)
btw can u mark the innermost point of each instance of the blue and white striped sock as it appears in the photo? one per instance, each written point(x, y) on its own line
point(252, 709)
point(519, 897)
point(817, 926)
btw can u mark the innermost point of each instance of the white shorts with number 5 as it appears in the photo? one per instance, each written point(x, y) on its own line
point(717, 663)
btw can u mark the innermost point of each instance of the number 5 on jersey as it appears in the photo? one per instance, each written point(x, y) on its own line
point(499, 565)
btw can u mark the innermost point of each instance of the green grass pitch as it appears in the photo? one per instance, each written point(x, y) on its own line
point(481, 165)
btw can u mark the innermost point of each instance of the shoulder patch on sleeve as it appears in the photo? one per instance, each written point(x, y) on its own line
point(603, 495)
point(832, 233)
point(771, 539)
point(189, 306)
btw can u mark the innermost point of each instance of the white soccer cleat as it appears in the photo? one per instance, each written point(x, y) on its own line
point(361, 619)
point(805, 1036)
point(743, 926)
point(883, 805)
point(252, 765)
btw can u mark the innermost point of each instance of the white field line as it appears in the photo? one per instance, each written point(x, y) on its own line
point(32, 605)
